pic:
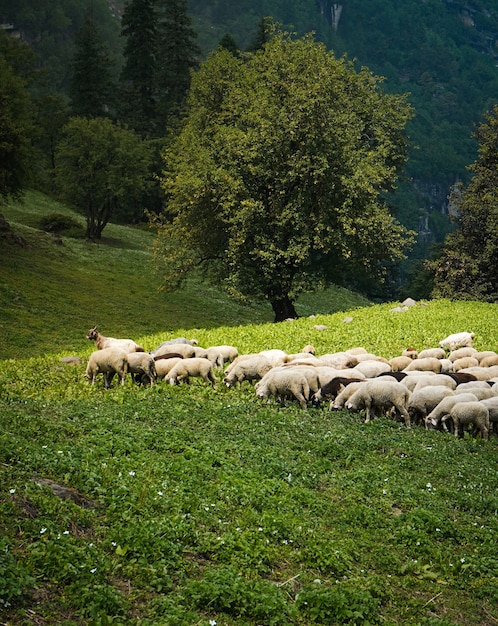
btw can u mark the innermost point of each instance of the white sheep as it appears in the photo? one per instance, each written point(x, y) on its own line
point(281, 383)
point(437, 379)
point(412, 378)
point(101, 342)
point(425, 400)
point(164, 366)
point(461, 353)
point(482, 392)
point(464, 363)
point(457, 340)
point(192, 367)
point(249, 369)
point(398, 363)
point(108, 361)
point(380, 396)
point(428, 364)
point(482, 373)
point(489, 360)
point(435, 353)
point(275, 356)
point(338, 360)
point(372, 369)
point(443, 408)
point(185, 349)
point(142, 366)
point(466, 413)
point(484, 354)
point(492, 405)
point(176, 340)
point(343, 397)
point(228, 354)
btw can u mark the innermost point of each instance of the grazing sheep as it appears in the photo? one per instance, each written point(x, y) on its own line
point(412, 378)
point(332, 388)
point(398, 363)
point(488, 361)
point(429, 364)
point(101, 342)
point(343, 396)
point(185, 349)
point(356, 351)
point(300, 357)
point(438, 379)
point(457, 340)
point(482, 373)
point(464, 363)
point(339, 360)
point(425, 400)
point(228, 354)
point(446, 366)
point(380, 396)
point(492, 405)
point(107, 361)
point(484, 355)
point(192, 367)
point(192, 342)
point(281, 383)
point(466, 413)
point(434, 353)
point(369, 356)
point(250, 369)
point(443, 408)
point(276, 357)
point(164, 366)
point(461, 353)
point(372, 369)
point(482, 392)
point(142, 367)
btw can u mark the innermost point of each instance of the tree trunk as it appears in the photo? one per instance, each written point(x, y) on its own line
point(283, 309)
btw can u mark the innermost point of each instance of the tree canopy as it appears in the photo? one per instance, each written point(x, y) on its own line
point(101, 169)
point(466, 266)
point(276, 183)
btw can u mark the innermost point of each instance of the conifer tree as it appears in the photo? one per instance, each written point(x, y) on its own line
point(137, 106)
point(177, 55)
point(91, 85)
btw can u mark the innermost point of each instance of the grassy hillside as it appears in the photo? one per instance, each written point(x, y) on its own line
point(50, 294)
point(191, 505)
point(182, 505)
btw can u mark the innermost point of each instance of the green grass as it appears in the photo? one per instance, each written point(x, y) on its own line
point(51, 294)
point(203, 506)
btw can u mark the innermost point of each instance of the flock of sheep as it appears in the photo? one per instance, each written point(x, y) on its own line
point(451, 388)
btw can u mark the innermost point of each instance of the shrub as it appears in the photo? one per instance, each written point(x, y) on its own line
point(57, 223)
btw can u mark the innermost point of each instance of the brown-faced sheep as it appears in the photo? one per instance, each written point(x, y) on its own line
point(101, 342)
point(282, 383)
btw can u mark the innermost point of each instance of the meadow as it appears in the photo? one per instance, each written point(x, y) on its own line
point(189, 505)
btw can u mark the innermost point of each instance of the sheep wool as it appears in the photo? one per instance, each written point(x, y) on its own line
point(108, 361)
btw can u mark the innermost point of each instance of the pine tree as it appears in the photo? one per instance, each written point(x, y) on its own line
point(177, 56)
point(137, 106)
point(91, 85)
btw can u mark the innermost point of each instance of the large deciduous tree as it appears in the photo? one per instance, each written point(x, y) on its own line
point(467, 266)
point(101, 169)
point(275, 185)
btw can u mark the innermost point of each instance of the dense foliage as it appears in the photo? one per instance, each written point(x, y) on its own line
point(466, 267)
point(102, 170)
point(274, 182)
